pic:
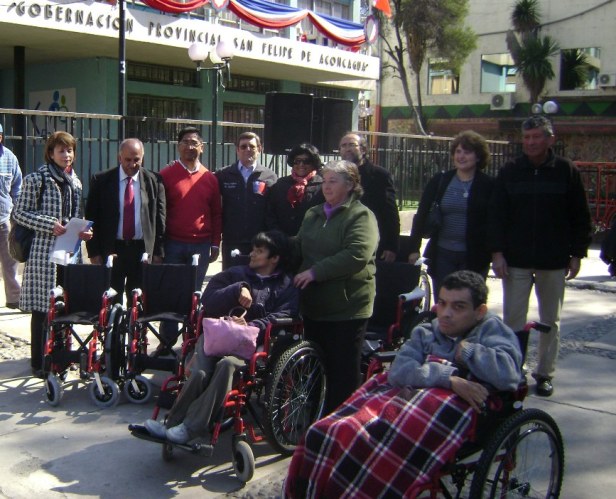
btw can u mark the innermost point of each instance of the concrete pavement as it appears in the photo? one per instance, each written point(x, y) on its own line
point(78, 450)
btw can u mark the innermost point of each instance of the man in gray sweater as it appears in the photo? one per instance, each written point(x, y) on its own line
point(467, 336)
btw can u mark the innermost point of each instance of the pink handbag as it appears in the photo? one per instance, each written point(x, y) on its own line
point(223, 337)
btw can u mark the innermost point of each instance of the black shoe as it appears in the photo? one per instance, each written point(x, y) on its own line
point(544, 387)
point(12, 305)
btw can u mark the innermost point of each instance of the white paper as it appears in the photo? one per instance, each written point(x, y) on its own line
point(69, 242)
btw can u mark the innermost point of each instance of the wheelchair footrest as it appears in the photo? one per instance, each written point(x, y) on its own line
point(143, 362)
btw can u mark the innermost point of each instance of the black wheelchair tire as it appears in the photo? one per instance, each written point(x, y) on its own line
point(295, 395)
point(116, 349)
point(508, 448)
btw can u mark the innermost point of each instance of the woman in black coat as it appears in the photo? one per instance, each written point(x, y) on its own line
point(291, 196)
point(463, 194)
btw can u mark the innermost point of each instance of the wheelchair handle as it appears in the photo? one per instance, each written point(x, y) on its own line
point(109, 263)
point(416, 294)
point(57, 292)
point(110, 293)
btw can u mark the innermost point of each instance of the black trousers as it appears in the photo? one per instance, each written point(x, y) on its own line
point(38, 328)
point(126, 272)
point(341, 342)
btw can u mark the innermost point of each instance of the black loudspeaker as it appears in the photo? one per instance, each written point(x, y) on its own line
point(332, 119)
point(288, 121)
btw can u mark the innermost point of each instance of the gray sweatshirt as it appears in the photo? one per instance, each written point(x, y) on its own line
point(492, 354)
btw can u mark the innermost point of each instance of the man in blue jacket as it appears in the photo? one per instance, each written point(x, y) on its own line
point(266, 291)
point(539, 230)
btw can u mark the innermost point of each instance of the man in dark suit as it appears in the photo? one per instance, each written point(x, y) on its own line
point(379, 194)
point(127, 206)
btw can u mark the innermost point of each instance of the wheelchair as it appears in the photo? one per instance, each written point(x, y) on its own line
point(85, 299)
point(511, 452)
point(169, 293)
point(397, 310)
point(285, 379)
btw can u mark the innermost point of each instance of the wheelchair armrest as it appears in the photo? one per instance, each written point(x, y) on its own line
point(284, 321)
point(388, 356)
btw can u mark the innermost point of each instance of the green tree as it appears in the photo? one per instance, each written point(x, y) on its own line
point(530, 51)
point(422, 28)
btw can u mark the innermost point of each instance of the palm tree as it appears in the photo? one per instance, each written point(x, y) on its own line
point(574, 69)
point(530, 51)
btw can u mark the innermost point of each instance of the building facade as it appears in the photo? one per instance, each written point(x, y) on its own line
point(64, 56)
point(489, 96)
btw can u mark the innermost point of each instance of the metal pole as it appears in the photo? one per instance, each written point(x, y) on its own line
point(214, 134)
point(122, 71)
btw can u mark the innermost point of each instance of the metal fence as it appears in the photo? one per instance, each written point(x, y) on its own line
point(411, 159)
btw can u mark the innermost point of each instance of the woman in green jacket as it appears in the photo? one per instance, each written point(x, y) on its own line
point(338, 241)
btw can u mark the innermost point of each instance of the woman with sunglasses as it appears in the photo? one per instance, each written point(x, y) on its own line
point(291, 196)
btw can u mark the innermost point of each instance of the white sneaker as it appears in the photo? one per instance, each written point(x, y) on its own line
point(155, 428)
point(178, 434)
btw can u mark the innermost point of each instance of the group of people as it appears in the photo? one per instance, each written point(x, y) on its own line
point(531, 222)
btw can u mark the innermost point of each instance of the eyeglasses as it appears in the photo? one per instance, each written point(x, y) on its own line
point(302, 161)
point(191, 143)
point(248, 146)
point(349, 145)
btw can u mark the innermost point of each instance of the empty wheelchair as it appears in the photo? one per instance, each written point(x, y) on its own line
point(169, 293)
point(398, 307)
point(85, 299)
point(282, 387)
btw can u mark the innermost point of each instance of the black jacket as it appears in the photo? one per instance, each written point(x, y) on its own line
point(478, 255)
point(380, 197)
point(103, 208)
point(539, 216)
point(281, 215)
point(243, 204)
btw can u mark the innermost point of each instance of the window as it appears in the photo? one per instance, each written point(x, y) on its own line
point(162, 74)
point(579, 68)
point(252, 85)
point(441, 78)
point(240, 113)
point(157, 109)
point(334, 93)
point(497, 73)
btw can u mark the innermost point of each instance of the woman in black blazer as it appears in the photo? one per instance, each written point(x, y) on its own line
point(463, 194)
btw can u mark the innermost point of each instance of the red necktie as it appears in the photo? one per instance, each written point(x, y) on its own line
point(128, 226)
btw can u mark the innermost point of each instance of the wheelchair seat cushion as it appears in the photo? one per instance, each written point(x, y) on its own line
point(85, 318)
point(382, 442)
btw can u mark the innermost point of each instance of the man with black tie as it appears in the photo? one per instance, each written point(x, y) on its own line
point(128, 208)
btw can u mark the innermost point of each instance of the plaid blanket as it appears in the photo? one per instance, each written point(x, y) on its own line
point(382, 442)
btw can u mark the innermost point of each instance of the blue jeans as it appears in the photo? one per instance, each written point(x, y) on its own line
point(179, 252)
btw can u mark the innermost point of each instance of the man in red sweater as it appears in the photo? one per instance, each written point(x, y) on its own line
point(194, 213)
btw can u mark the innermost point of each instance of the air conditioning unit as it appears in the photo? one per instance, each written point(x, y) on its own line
point(502, 102)
point(607, 80)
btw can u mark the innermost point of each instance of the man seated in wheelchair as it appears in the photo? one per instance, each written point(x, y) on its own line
point(402, 426)
point(265, 290)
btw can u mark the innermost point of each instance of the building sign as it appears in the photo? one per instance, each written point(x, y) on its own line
point(102, 20)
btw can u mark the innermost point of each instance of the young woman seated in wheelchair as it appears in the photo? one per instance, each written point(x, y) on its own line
point(400, 427)
point(265, 290)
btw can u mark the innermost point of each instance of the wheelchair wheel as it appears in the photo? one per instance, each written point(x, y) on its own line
point(138, 389)
point(167, 452)
point(524, 458)
point(295, 395)
point(115, 344)
point(426, 285)
point(109, 396)
point(243, 461)
point(53, 390)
